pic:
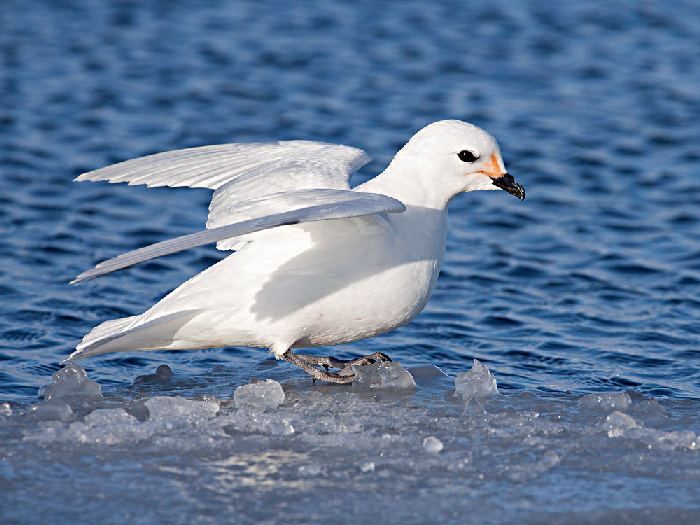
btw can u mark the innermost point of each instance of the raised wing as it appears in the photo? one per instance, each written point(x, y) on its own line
point(320, 204)
point(240, 173)
point(301, 163)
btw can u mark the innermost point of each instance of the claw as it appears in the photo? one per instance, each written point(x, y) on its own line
point(345, 375)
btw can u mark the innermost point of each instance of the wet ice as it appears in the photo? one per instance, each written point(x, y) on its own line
point(476, 383)
point(71, 384)
point(262, 440)
point(69, 391)
point(56, 410)
point(260, 395)
point(382, 376)
point(606, 401)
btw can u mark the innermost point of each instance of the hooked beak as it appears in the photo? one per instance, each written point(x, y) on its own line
point(501, 179)
point(507, 182)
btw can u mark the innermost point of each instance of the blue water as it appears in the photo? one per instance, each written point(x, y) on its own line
point(592, 284)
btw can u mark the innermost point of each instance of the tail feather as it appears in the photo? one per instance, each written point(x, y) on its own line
point(128, 334)
point(105, 330)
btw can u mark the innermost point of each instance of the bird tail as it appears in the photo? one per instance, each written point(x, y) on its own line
point(127, 333)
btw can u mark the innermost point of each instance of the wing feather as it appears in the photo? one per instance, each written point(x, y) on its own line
point(320, 204)
point(213, 166)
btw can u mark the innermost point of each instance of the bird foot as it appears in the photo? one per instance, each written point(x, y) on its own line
point(308, 363)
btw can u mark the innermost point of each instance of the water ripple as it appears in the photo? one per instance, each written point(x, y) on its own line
point(591, 284)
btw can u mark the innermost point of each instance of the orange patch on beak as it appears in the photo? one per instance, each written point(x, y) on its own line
point(493, 168)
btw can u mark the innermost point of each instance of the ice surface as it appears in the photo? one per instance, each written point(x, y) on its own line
point(619, 425)
point(477, 383)
point(262, 395)
point(606, 401)
point(265, 454)
point(253, 421)
point(53, 410)
point(383, 376)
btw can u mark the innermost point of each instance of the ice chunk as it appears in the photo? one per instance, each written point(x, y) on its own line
point(618, 423)
point(606, 401)
point(479, 382)
point(432, 445)
point(108, 427)
point(53, 410)
point(109, 417)
point(262, 395)
point(384, 376)
point(72, 384)
point(172, 411)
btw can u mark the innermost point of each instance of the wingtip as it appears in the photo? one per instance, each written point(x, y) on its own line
point(85, 276)
point(72, 357)
point(77, 279)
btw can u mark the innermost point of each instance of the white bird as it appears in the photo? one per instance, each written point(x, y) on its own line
point(316, 263)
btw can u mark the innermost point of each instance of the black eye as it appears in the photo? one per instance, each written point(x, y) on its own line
point(467, 156)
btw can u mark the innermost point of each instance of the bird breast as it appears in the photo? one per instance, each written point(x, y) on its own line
point(382, 280)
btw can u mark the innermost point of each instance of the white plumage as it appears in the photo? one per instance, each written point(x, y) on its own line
point(317, 263)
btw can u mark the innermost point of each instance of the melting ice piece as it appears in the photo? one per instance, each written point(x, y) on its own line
point(71, 383)
point(432, 445)
point(53, 410)
point(384, 376)
point(618, 423)
point(108, 427)
point(262, 395)
point(606, 401)
point(478, 382)
point(178, 410)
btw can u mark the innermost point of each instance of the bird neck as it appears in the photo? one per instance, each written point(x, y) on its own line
point(407, 184)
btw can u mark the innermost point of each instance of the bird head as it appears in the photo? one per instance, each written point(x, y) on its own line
point(459, 157)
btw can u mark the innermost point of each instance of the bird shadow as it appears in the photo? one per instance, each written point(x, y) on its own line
point(347, 251)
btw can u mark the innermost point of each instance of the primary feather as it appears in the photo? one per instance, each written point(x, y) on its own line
point(240, 172)
point(257, 215)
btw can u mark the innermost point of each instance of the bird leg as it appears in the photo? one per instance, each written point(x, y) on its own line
point(308, 364)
